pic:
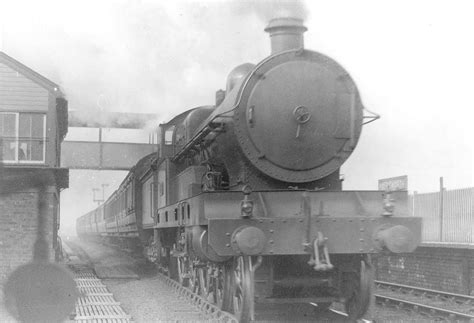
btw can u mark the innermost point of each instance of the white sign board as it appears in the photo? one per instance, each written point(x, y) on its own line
point(399, 183)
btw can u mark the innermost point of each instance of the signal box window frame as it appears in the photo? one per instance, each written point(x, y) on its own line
point(22, 134)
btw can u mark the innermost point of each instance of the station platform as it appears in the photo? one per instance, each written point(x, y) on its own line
point(452, 245)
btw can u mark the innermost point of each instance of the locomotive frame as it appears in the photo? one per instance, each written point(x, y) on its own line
point(239, 222)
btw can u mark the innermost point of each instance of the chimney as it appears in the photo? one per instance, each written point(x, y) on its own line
point(286, 34)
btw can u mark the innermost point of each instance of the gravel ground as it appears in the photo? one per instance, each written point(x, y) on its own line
point(147, 299)
point(390, 314)
point(150, 300)
point(5, 317)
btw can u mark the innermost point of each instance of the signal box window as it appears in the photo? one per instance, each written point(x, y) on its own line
point(23, 137)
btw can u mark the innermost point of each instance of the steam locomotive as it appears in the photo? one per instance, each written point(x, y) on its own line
point(243, 203)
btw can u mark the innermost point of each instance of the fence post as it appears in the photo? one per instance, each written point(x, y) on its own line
point(413, 204)
point(441, 202)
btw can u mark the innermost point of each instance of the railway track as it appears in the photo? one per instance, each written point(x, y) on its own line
point(424, 302)
point(209, 309)
point(428, 302)
point(429, 293)
point(188, 305)
point(98, 304)
point(95, 303)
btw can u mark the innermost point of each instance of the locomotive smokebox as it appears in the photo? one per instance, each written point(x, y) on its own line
point(286, 34)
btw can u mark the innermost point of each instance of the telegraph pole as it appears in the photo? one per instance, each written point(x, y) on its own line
point(97, 199)
point(441, 206)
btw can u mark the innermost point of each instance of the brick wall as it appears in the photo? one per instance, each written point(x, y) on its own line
point(18, 225)
point(439, 268)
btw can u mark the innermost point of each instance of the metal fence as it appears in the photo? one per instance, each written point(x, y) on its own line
point(447, 217)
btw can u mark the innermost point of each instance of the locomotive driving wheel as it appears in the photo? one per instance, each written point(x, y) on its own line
point(224, 285)
point(203, 281)
point(358, 300)
point(192, 280)
point(243, 289)
point(212, 283)
point(208, 283)
point(181, 270)
point(220, 281)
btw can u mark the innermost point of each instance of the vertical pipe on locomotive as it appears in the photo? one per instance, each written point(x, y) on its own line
point(286, 34)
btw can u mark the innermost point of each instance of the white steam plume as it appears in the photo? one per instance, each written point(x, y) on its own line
point(269, 9)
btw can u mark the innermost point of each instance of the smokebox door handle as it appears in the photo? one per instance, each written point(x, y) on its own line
point(250, 116)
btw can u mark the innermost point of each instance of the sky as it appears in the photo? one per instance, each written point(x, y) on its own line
point(411, 60)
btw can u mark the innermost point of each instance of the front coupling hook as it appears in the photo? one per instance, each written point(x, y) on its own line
point(320, 256)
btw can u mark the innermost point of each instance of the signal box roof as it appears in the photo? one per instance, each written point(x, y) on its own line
point(29, 73)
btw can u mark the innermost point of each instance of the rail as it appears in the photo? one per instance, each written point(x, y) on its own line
point(431, 311)
point(433, 303)
point(203, 305)
point(458, 298)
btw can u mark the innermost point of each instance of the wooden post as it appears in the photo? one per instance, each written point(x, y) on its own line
point(441, 202)
point(101, 149)
point(413, 213)
point(466, 271)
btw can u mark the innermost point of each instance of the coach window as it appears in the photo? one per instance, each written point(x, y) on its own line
point(125, 200)
point(23, 136)
point(129, 197)
point(152, 200)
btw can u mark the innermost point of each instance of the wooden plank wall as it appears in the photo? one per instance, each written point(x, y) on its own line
point(18, 93)
point(457, 224)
